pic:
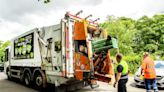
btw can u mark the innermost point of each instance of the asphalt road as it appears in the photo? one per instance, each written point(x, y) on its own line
point(11, 86)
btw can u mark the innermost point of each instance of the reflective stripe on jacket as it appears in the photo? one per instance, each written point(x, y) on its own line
point(149, 69)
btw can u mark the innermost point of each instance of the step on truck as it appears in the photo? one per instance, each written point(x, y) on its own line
point(75, 52)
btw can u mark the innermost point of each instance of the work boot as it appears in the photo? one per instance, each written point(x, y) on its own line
point(148, 91)
point(156, 90)
point(94, 86)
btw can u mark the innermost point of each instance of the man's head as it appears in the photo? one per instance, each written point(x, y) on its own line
point(119, 57)
point(145, 54)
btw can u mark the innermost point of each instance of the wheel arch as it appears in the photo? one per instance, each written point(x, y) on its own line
point(25, 70)
point(7, 69)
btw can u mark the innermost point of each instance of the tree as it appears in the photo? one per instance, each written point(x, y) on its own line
point(45, 1)
point(149, 35)
point(123, 29)
point(2, 49)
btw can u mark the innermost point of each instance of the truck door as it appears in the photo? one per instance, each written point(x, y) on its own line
point(6, 54)
point(6, 61)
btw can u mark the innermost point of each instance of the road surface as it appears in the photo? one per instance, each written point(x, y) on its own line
point(10, 86)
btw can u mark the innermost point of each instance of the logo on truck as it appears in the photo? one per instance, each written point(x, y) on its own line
point(23, 47)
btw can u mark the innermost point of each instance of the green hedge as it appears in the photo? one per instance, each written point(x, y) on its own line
point(134, 61)
point(162, 58)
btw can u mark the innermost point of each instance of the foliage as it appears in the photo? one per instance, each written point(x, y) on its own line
point(149, 36)
point(2, 49)
point(134, 61)
point(162, 58)
point(121, 28)
point(137, 36)
point(45, 1)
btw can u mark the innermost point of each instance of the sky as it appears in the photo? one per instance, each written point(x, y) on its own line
point(19, 16)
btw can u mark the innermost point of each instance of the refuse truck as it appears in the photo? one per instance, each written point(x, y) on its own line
point(73, 54)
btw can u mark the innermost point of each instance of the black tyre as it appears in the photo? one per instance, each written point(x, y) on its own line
point(38, 81)
point(27, 79)
point(8, 74)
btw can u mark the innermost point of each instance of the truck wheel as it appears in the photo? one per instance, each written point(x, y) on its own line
point(8, 74)
point(38, 80)
point(27, 79)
